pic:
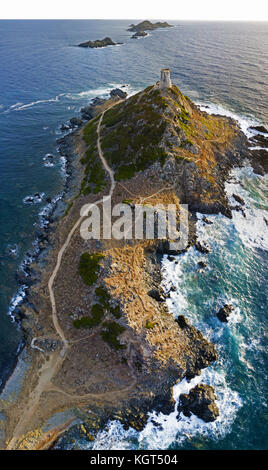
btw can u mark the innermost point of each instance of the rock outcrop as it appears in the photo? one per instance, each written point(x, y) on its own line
point(201, 402)
point(139, 34)
point(205, 352)
point(224, 313)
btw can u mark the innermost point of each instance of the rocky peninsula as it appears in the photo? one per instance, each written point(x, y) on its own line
point(100, 341)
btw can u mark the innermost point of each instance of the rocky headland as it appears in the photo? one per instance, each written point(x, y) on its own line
point(100, 341)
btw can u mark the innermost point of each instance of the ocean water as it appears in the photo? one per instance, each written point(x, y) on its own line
point(45, 80)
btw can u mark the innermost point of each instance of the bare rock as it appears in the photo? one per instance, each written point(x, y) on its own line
point(201, 402)
point(224, 313)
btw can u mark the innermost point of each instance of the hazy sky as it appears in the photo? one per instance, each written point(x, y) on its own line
point(137, 9)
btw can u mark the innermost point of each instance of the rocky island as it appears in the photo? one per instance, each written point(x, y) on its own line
point(139, 34)
point(148, 26)
point(98, 43)
point(100, 341)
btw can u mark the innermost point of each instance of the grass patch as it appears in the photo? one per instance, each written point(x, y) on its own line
point(94, 179)
point(127, 201)
point(150, 325)
point(68, 208)
point(89, 267)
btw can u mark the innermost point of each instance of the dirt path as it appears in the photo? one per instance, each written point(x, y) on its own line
point(51, 366)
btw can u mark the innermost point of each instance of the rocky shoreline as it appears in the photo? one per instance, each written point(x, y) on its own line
point(133, 412)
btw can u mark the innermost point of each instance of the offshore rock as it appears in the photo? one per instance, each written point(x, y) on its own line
point(201, 402)
point(224, 313)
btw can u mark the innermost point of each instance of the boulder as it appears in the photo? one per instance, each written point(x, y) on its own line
point(260, 139)
point(64, 127)
point(224, 312)
point(239, 199)
point(202, 248)
point(117, 92)
point(201, 402)
point(259, 129)
point(139, 34)
point(202, 264)
point(87, 112)
point(157, 295)
point(207, 221)
point(259, 159)
point(75, 122)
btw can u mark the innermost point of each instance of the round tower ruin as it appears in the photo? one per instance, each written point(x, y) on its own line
point(165, 81)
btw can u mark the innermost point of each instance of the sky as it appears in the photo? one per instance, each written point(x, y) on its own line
point(220, 10)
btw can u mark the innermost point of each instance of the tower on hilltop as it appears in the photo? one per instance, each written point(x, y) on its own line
point(165, 81)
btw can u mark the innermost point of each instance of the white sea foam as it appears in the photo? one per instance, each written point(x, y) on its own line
point(102, 92)
point(173, 429)
point(163, 430)
point(63, 161)
point(114, 437)
point(20, 106)
point(16, 301)
point(258, 148)
point(34, 198)
point(252, 229)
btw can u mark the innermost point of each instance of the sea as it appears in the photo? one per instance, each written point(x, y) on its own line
point(44, 81)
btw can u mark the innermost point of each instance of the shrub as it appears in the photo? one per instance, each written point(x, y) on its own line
point(149, 325)
point(89, 267)
point(110, 334)
point(95, 319)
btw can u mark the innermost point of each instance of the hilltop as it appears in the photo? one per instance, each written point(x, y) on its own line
point(164, 130)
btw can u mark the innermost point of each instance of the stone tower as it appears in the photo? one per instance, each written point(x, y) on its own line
point(165, 81)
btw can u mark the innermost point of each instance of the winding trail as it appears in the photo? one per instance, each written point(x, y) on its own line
point(84, 211)
point(50, 367)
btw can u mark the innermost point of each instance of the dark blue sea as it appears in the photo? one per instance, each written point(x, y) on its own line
point(44, 81)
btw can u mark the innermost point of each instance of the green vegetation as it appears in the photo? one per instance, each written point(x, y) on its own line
point(110, 333)
point(89, 267)
point(98, 310)
point(149, 325)
point(104, 298)
point(127, 201)
point(97, 313)
point(94, 180)
point(135, 145)
point(68, 208)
